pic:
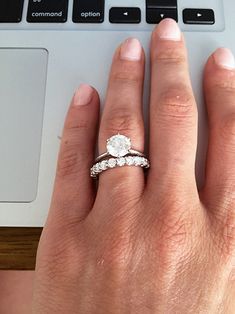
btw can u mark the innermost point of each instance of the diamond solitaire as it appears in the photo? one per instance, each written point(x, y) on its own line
point(119, 146)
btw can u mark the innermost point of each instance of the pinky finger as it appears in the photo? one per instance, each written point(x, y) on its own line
point(74, 189)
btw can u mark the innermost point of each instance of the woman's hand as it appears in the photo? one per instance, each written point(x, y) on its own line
point(137, 245)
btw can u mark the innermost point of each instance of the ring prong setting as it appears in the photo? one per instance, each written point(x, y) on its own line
point(118, 145)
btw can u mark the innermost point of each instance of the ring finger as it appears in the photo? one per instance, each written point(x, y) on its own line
point(123, 112)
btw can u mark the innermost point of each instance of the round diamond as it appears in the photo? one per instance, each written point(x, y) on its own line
point(145, 163)
point(97, 168)
point(129, 161)
point(138, 161)
point(103, 165)
point(121, 162)
point(118, 145)
point(112, 163)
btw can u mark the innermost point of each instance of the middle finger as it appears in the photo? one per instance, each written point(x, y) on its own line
point(173, 111)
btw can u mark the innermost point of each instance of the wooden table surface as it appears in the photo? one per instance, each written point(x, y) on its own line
point(18, 247)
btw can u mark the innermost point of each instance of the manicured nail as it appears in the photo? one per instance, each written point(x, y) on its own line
point(168, 29)
point(83, 95)
point(224, 58)
point(131, 50)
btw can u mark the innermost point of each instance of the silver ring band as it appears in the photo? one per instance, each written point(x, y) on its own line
point(130, 152)
point(112, 163)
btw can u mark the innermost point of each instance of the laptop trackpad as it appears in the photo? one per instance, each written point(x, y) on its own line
point(22, 95)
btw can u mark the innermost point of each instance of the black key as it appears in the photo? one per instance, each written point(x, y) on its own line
point(167, 4)
point(88, 11)
point(125, 15)
point(47, 11)
point(199, 16)
point(155, 16)
point(11, 11)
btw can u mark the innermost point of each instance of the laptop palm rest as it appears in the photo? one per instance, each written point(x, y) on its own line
point(22, 96)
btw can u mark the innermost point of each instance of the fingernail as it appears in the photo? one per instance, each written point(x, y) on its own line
point(168, 29)
point(83, 95)
point(224, 58)
point(131, 50)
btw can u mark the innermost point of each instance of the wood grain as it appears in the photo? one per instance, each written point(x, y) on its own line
point(18, 248)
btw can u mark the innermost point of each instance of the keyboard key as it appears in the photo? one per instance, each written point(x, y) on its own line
point(157, 10)
point(125, 15)
point(88, 11)
point(11, 11)
point(198, 16)
point(155, 16)
point(167, 4)
point(47, 11)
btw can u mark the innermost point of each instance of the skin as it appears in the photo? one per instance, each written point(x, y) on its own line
point(139, 244)
point(16, 292)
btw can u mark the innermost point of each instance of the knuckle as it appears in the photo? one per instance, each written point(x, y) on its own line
point(67, 163)
point(176, 102)
point(173, 231)
point(74, 124)
point(122, 121)
point(126, 76)
point(70, 158)
point(173, 237)
point(175, 224)
point(223, 84)
point(170, 56)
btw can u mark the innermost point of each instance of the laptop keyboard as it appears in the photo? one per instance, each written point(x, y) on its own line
point(124, 15)
point(93, 11)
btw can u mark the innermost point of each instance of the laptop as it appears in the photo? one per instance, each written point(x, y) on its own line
point(48, 48)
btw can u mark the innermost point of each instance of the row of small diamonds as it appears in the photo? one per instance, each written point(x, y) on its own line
point(119, 162)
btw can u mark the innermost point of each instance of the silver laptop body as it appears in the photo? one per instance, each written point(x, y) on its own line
point(49, 47)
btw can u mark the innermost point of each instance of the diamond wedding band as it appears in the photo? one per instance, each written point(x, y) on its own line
point(119, 154)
